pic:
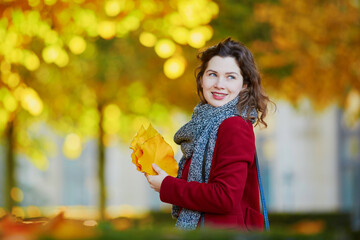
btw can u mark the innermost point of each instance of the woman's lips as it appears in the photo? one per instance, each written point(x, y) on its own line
point(218, 96)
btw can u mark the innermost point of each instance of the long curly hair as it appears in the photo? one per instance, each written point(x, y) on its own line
point(253, 96)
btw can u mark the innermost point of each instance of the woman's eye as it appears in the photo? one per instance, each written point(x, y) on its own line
point(212, 74)
point(231, 77)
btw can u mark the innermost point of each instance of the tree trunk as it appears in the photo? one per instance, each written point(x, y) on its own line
point(10, 166)
point(101, 161)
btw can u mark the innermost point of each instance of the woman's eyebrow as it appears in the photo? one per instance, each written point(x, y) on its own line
point(210, 70)
point(232, 73)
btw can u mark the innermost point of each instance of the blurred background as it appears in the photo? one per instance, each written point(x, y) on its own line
point(79, 78)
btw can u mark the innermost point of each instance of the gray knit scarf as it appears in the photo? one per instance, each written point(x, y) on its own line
point(201, 132)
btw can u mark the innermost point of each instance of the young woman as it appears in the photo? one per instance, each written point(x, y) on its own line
point(217, 181)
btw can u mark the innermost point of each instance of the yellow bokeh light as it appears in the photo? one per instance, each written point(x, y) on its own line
point(112, 115)
point(175, 18)
point(77, 45)
point(111, 126)
point(121, 30)
point(87, 19)
point(352, 107)
point(189, 13)
point(13, 80)
point(206, 16)
point(180, 35)
point(89, 120)
point(18, 92)
point(33, 3)
point(107, 29)
point(165, 48)
point(50, 53)
point(129, 5)
point(131, 22)
point(18, 212)
point(39, 160)
point(114, 7)
point(147, 39)
point(10, 102)
point(33, 212)
point(149, 6)
point(141, 105)
point(31, 101)
point(49, 2)
point(5, 67)
point(72, 146)
point(31, 62)
point(112, 112)
point(16, 55)
point(196, 38)
point(90, 223)
point(51, 37)
point(207, 31)
point(353, 101)
point(63, 59)
point(214, 8)
point(10, 39)
point(16, 194)
point(196, 13)
point(174, 67)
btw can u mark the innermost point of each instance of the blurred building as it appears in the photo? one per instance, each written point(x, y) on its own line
point(310, 160)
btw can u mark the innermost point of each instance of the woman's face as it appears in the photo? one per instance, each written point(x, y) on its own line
point(222, 81)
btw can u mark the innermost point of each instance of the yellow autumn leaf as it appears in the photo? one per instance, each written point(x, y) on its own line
point(143, 135)
point(150, 147)
point(157, 151)
point(135, 157)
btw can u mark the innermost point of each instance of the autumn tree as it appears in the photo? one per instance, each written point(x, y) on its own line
point(313, 52)
point(94, 57)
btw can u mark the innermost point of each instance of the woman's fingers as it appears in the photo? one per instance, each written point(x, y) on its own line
point(157, 169)
point(156, 180)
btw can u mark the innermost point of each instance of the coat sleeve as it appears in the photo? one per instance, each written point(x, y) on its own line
point(234, 151)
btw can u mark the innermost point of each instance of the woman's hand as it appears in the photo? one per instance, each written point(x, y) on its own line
point(156, 180)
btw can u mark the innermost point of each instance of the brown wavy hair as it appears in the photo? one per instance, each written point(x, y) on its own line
point(253, 95)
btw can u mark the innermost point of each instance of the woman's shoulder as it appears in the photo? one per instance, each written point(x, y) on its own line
point(234, 126)
point(235, 122)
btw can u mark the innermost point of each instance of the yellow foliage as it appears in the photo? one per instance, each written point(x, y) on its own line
point(150, 147)
point(147, 39)
point(72, 147)
point(164, 48)
point(318, 50)
point(174, 67)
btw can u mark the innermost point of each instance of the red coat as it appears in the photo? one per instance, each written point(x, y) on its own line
point(231, 197)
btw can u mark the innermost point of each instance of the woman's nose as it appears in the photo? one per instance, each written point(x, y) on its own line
point(219, 82)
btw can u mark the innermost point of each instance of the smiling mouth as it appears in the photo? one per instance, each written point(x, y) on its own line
point(219, 94)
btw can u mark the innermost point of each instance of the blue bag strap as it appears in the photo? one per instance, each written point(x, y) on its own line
point(202, 218)
point(266, 218)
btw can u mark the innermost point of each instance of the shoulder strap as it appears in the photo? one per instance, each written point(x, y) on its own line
point(202, 218)
point(266, 218)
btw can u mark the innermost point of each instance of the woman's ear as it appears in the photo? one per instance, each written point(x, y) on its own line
point(244, 86)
